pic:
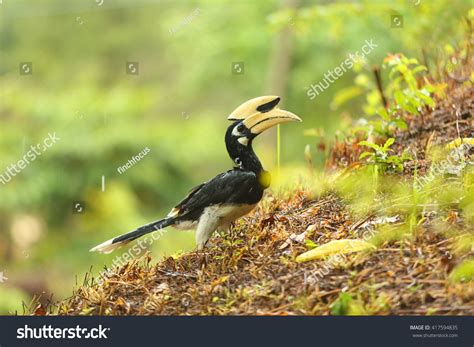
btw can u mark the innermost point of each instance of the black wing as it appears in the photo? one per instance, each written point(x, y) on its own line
point(234, 186)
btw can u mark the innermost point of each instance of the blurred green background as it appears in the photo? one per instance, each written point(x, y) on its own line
point(177, 105)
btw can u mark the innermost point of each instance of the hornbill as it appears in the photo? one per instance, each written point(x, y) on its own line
point(216, 203)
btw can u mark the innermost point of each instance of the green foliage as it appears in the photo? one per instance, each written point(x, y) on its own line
point(390, 234)
point(464, 272)
point(463, 244)
point(467, 203)
point(347, 305)
point(341, 305)
point(406, 93)
point(380, 157)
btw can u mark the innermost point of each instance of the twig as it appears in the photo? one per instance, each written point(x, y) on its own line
point(378, 80)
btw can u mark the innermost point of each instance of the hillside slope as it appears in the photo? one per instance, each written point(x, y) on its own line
point(421, 261)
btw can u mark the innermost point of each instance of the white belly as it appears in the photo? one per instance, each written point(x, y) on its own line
point(218, 216)
point(229, 213)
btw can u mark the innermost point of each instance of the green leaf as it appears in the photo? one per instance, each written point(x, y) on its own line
point(341, 305)
point(383, 113)
point(399, 123)
point(365, 154)
point(419, 69)
point(392, 74)
point(388, 143)
point(464, 272)
point(426, 98)
point(369, 144)
point(310, 244)
point(411, 81)
point(410, 108)
point(399, 97)
point(406, 155)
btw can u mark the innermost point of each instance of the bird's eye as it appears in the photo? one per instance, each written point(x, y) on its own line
point(238, 161)
point(238, 130)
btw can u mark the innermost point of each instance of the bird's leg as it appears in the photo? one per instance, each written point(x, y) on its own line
point(203, 260)
point(202, 254)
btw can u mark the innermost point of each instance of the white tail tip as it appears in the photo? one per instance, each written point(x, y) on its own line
point(108, 247)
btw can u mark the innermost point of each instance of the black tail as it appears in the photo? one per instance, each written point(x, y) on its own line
point(112, 244)
point(148, 228)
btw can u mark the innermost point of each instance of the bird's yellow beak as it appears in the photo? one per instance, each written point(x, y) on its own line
point(259, 122)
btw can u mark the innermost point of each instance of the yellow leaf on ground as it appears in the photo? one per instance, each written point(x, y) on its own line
point(459, 141)
point(335, 247)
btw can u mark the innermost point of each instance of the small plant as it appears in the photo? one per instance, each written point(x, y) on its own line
point(404, 85)
point(346, 305)
point(341, 305)
point(464, 272)
point(386, 111)
point(380, 156)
